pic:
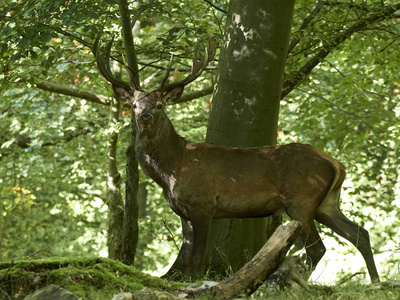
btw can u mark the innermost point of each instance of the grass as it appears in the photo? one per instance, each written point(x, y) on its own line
point(349, 290)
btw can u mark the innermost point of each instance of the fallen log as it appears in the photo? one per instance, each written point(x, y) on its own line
point(256, 271)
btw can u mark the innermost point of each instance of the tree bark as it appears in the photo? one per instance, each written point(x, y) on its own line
point(245, 110)
point(130, 226)
point(257, 270)
point(114, 199)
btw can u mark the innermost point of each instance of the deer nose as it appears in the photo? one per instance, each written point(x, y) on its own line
point(146, 119)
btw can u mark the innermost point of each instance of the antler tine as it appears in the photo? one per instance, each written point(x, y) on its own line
point(103, 62)
point(198, 66)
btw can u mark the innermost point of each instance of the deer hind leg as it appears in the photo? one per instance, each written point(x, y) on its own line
point(355, 234)
point(312, 242)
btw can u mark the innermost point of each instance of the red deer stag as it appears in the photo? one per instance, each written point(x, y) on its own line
point(204, 181)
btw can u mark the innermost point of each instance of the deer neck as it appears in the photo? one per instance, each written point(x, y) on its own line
point(159, 150)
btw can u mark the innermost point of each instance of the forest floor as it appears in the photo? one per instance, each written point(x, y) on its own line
point(101, 278)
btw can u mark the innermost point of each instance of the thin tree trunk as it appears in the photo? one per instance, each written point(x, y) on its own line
point(114, 199)
point(130, 226)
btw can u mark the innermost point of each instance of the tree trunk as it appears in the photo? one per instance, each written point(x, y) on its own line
point(130, 226)
point(245, 110)
point(114, 199)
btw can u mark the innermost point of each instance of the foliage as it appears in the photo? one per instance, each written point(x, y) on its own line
point(52, 146)
point(46, 169)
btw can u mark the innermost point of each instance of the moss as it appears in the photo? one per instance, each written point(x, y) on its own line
point(81, 276)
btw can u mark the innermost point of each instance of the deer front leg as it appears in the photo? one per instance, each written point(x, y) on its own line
point(201, 226)
point(187, 247)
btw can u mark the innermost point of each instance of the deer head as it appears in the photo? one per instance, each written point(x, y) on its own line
point(147, 105)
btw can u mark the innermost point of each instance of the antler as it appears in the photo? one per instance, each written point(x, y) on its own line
point(103, 64)
point(198, 67)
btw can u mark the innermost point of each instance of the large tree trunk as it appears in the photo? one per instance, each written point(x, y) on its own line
point(245, 110)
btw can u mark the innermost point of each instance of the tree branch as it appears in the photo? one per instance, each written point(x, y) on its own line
point(304, 25)
point(100, 99)
point(128, 40)
point(57, 88)
point(60, 89)
point(196, 94)
point(350, 5)
point(216, 7)
point(298, 77)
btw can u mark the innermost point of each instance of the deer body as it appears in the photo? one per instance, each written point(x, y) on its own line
point(204, 181)
point(242, 182)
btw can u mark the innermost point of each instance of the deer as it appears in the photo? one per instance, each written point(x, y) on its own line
point(204, 181)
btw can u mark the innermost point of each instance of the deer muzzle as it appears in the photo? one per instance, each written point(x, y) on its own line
point(146, 119)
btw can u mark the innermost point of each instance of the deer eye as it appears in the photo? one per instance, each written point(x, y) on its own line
point(134, 106)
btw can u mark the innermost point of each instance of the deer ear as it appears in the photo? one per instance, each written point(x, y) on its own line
point(172, 95)
point(122, 94)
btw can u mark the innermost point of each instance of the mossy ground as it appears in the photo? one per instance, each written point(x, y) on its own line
point(89, 278)
point(100, 278)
